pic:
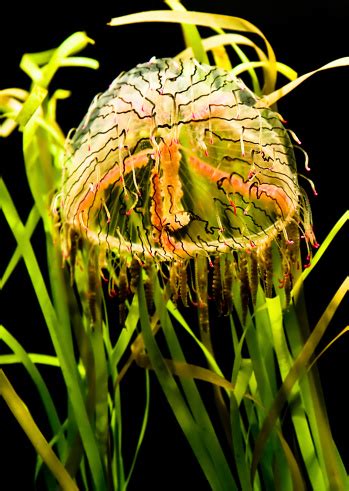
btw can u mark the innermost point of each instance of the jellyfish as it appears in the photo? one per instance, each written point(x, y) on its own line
point(179, 166)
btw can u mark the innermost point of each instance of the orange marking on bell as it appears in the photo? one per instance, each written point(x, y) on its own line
point(93, 198)
point(270, 195)
point(156, 209)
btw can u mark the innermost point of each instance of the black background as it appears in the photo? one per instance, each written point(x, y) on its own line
point(304, 35)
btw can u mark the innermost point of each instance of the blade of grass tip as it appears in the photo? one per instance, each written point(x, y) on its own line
point(191, 34)
point(143, 427)
point(30, 226)
point(69, 370)
point(80, 61)
point(297, 371)
point(24, 418)
point(70, 46)
point(206, 20)
point(126, 333)
point(322, 352)
point(320, 252)
point(173, 395)
point(278, 94)
point(178, 316)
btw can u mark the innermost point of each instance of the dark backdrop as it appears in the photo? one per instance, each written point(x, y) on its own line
point(305, 35)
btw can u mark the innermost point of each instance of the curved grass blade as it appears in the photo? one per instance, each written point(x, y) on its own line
point(21, 356)
point(207, 20)
point(175, 399)
point(279, 93)
point(24, 418)
point(307, 441)
point(54, 59)
point(297, 479)
point(178, 316)
point(191, 34)
point(193, 397)
point(239, 445)
point(35, 358)
point(126, 333)
point(31, 105)
point(32, 221)
point(67, 362)
point(322, 352)
point(295, 373)
point(143, 428)
point(320, 252)
point(190, 371)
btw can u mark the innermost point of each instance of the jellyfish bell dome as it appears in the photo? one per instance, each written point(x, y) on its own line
point(176, 159)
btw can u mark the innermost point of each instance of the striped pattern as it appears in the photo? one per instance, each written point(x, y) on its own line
point(175, 160)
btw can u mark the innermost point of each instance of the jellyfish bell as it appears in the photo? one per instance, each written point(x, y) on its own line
point(176, 160)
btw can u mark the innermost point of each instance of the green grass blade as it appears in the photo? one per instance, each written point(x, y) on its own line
point(21, 413)
point(207, 20)
point(126, 333)
point(279, 93)
point(300, 420)
point(297, 370)
point(69, 370)
point(178, 316)
point(174, 397)
point(143, 427)
point(32, 221)
point(197, 408)
point(320, 252)
point(323, 351)
point(80, 61)
point(35, 358)
point(54, 59)
point(21, 356)
point(191, 34)
point(33, 102)
point(239, 446)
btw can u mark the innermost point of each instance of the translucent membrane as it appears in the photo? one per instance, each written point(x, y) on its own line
point(174, 161)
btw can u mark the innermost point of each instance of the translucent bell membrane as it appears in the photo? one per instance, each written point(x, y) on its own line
point(175, 160)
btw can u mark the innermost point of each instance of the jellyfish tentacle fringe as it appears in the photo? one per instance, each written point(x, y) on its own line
point(177, 164)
